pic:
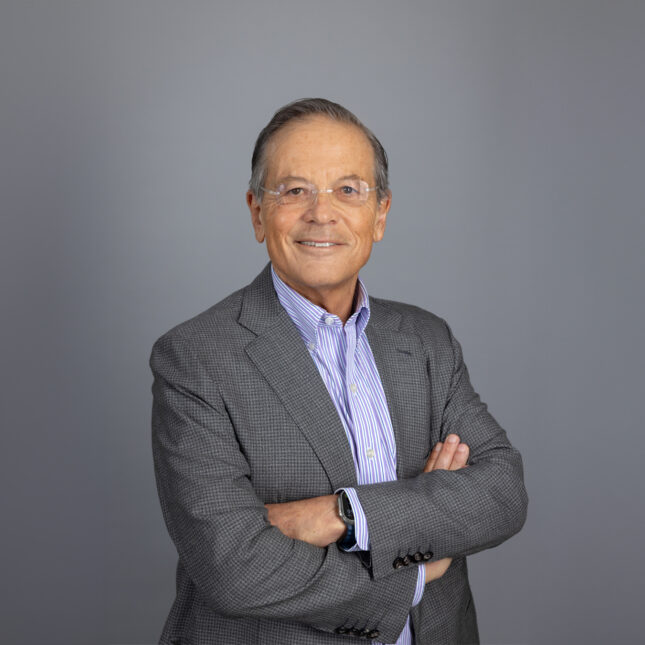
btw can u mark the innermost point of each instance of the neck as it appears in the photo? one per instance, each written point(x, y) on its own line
point(339, 300)
point(341, 305)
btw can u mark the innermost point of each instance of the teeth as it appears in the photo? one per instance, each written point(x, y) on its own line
point(318, 244)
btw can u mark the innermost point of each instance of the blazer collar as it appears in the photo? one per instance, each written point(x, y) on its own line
point(261, 308)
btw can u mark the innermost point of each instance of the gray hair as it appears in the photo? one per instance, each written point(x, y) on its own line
point(301, 109)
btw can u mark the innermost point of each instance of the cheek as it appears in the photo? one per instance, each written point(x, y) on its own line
point(366, 229)
point(367, 235)
point(280, 227)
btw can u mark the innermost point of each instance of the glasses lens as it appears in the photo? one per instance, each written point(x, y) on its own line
point(351, 191)
point(294, 193)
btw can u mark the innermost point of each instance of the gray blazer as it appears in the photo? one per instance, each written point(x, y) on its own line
point(241, 417)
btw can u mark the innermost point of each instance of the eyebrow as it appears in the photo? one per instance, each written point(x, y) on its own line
point(298, 178)
point(290, 178)
point(350, 177)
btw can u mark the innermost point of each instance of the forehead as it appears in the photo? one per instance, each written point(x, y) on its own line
point(319, 149)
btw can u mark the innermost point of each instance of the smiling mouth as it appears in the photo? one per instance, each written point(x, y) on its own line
point(318, 245)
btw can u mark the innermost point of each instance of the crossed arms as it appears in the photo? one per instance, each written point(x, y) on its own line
point(244, 565)
point(316, 520)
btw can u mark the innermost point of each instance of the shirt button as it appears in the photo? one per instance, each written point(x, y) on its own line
point(311, 346)
point(353, 387)
point(370, 453)
point(329, 320)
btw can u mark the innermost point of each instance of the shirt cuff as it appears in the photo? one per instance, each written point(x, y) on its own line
point(361, 533)
point(421, 585)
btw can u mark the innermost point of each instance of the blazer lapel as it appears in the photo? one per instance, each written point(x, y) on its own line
point(280, 354)
point(400, 361)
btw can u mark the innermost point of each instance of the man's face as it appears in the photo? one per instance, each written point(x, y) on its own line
point(321, 151)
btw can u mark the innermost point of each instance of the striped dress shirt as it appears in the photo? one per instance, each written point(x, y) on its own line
point(345, 361)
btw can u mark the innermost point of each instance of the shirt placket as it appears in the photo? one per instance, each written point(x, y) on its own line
point(333, 362)
point(362, 428)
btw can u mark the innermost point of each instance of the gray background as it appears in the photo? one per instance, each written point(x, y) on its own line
point(516, 134)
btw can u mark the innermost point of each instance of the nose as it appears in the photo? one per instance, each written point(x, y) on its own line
point(322, 209)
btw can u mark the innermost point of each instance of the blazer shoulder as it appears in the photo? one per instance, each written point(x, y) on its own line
point(415, 320)
point(218, 321)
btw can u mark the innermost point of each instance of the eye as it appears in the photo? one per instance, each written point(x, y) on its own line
point(295, 192)
point(348, 190)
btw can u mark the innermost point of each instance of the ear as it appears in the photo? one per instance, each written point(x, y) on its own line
point(256, 216)
point(382, 209)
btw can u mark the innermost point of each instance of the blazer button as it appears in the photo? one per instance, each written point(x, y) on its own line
point(354, 632)
point(398, 563)
point(365, 633)
point(374, 633)
point(406, 560)
point(341, 630)
point(428, 555)
point(418, 556)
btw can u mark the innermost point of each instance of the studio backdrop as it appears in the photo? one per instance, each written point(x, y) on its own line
point(516, 138)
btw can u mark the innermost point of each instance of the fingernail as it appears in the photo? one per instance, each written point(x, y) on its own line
point(462, 447)
point(452, 438)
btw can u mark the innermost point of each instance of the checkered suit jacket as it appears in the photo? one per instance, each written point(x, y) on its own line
point(241, 417)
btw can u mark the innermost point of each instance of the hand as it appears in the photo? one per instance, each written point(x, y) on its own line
point(314, 520)
point(452, 455)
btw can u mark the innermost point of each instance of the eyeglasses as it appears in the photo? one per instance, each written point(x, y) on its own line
point(301, 194)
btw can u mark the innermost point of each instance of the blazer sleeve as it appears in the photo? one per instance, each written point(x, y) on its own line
point(450, 513)
point(241, 565)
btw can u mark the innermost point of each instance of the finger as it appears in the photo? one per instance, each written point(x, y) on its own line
point(447, 452)
point(433, 457)
point(434, 570)
point(461, 457)
point(445, 563)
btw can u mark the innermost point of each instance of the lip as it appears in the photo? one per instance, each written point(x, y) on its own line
point(304, 241)
point(313, 252)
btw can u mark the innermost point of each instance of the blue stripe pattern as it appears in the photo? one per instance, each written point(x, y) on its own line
point(345, 361)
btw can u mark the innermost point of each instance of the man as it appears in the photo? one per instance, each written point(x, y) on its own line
point(300, 391)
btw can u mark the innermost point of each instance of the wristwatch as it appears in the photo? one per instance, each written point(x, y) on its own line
point(347, 515)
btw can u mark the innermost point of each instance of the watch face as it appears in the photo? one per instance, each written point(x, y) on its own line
point(347, 507)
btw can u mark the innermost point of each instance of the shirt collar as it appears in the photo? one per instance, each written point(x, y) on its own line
point(307, 316)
